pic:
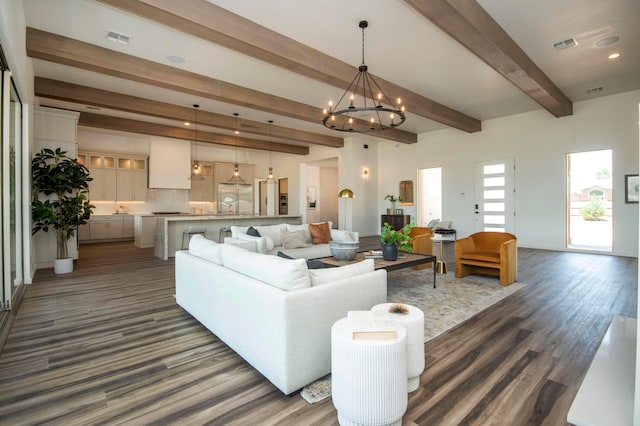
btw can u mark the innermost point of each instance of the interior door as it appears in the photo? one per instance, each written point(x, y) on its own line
point(494, 208)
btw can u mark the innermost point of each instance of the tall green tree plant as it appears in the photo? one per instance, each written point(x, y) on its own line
point(64, 183)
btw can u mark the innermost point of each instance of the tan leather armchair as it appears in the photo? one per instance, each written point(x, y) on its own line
point(422, 243)
point(492, 253)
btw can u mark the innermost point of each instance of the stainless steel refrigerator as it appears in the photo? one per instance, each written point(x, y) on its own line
point(235, 198)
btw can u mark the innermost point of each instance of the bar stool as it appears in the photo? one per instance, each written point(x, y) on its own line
point(224, 232)
point(190, 231)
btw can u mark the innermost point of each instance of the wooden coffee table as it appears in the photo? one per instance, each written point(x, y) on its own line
point(404, 260)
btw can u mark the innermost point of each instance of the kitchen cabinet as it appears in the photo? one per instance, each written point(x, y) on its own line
point(131, 179)
point(107, 227)
point(115, 177)
point(202, 190)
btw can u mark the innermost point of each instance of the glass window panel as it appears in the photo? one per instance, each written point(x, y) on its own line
point(494, 219)
point(493, 207)
point(494, 181)
point(139, 164)
point(493, 229)
point(494, 194)
point(124, 163)
point(493, 169)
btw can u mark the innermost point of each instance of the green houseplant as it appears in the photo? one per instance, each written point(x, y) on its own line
point(59, 198)
point(393, 240)
point(393, 200)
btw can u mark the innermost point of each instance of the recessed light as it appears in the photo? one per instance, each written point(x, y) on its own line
point(186, 123)
point(614, 55)
point(607, 41)
point(176, 59)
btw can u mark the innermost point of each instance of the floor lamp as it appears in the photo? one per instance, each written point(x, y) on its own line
point(345, 193)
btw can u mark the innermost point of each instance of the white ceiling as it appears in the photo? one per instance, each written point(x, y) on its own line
point(400, 45)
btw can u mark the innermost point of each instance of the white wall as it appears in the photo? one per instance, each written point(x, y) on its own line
point(538, 142)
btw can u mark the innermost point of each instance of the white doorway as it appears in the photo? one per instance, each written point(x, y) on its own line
point(494, 207)
point(590, 200)
point(429, 195)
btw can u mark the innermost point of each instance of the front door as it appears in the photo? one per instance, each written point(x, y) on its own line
point(494, 208)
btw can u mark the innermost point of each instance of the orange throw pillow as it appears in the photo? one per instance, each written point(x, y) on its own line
point(320, 233)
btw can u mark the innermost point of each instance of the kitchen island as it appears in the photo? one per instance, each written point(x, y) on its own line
point(169, 228)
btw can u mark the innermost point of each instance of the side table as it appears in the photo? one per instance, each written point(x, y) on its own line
point(413, 322)
point(368, 377)
point(441, 266)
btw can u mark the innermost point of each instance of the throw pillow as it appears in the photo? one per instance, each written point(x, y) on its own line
point(304, 227)
point(294, 239)
point(329, 275)
point(320, 233)
point(311, 263)
point(253, 231)
point(341, 235)
point(445, 224)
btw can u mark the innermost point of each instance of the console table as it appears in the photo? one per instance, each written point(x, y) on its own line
point(397, 221)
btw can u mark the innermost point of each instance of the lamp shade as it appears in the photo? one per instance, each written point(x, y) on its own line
point(345, 193)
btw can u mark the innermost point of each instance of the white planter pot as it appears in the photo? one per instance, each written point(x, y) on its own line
point(63, 266)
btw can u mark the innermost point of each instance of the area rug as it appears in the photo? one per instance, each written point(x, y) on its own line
point(453, 301)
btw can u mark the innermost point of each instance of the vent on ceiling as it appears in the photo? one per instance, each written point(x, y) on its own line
point(565, 44)
point(118, 37)
point(595, 89)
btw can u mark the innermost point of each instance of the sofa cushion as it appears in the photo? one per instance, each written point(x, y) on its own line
point(206, 249)
point(324, 276)
point(237, 230)
point(253, 231)
point(284, 274)
point(295, 239)
point(320, 233)
point(341, 235)
point(273, 232)
point(263, 244)
point(483, 256)
point(304, 227)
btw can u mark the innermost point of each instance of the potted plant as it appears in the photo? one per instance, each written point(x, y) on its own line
point(392, 240)
point(393, 200)
point(59, 199)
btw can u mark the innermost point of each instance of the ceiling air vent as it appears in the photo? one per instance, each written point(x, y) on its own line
point(565, 44)
point(118, 37)
point(595, 89)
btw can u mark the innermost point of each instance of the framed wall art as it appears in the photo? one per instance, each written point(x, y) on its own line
point(631, 189)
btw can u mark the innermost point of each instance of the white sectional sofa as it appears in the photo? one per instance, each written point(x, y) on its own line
point(274, 312)
point(270, 240)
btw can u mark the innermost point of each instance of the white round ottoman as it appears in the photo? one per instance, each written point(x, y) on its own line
point(414, 324)
point(368, 377)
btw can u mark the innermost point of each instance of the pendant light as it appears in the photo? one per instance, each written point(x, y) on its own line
point(196, 168)
point(236, 178)
point(270, 176)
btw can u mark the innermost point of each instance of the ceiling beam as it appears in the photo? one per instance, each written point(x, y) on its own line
point(468, 23)
point(62, 50)
point(217, 25)
point(153, 129)
point(54, 89)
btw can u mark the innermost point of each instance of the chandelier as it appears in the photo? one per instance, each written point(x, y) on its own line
point(366, 107)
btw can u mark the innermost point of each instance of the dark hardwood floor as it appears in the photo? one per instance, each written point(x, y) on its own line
point(107, 344)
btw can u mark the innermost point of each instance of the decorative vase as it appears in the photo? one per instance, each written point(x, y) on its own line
point(389, 251)
point(63, 266)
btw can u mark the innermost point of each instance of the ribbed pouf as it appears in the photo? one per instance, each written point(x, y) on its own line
point(414, 324)
point(368, 377)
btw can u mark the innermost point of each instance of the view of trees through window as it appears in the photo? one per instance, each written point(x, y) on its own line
point(590, 203)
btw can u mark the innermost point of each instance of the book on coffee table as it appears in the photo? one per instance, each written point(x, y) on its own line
point(373, 254)
point(368, 325)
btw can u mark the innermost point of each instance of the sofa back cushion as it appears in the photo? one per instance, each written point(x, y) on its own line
point(206, 249)
point(273, 232)
point(320, 233)
point(278, 272)
point(327, 275)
